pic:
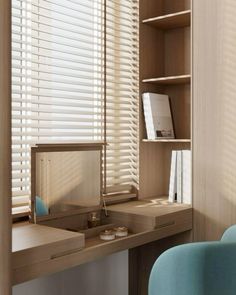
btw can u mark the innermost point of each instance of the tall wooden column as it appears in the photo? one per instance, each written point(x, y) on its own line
point(214, 117)
point(5, 147)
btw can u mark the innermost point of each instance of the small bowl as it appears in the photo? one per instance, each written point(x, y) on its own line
point(121, 231)
point(107, 235)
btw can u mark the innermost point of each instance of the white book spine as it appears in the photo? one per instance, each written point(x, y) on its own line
point(173, 177)
point(148, 116)
point(187, 177)
point(157, 115)
point(179, 177)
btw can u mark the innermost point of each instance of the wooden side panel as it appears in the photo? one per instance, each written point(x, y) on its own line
point(5, 148)
point(214, 140)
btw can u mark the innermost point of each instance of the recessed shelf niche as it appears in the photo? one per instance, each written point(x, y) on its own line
point(165, 68)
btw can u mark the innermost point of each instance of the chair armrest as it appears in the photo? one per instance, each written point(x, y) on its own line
point(198, 269)
point(229, 235)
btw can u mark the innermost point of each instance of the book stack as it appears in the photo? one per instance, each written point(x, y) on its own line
point(157, 115)
point(180, 177)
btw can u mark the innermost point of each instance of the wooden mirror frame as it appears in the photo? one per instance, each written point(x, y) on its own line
point(61, 147)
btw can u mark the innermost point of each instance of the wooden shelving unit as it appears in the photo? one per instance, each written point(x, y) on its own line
point(172, 80)
point(170, 21)
point(165, 68)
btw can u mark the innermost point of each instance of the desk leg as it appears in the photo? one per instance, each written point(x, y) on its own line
point(142, 258)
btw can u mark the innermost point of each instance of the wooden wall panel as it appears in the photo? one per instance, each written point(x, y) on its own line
point(5, 149)
point(177, 52)
point(180, 97)
point(214, 115)
point(151, 8)
point(170, 6)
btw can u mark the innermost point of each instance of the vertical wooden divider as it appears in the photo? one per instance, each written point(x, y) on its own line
point(5, 147)
point(214, 108)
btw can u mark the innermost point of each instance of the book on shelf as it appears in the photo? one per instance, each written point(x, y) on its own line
point(173, 180)
point(186, 176)
point(180, 177)
point(157, 114)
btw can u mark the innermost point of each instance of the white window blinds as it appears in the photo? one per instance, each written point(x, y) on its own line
point(71, 65)
point(121, 161)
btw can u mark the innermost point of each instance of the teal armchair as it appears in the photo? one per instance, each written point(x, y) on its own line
point(207, 268)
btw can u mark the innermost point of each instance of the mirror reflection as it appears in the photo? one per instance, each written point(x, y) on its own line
point(67, 181)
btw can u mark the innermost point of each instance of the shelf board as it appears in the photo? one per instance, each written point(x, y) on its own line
point(181, 79)
point(168, 140)
point(170, 21)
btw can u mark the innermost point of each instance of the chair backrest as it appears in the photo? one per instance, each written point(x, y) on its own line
point(229, 235)
point(207, 268)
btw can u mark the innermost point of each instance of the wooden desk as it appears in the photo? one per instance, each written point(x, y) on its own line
point(148, 221)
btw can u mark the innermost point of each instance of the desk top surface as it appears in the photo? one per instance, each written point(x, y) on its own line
point(152, 207)
point(28, 236)
point(40, 250)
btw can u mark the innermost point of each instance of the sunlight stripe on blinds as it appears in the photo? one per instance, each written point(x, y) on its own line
point(121, 165)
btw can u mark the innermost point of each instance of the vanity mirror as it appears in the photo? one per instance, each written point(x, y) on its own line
point(66, 179)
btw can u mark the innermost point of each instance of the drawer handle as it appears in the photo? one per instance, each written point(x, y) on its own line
point(166, 224)
point(65, 253)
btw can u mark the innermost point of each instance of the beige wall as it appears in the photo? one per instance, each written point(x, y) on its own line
point(214, 116)
point(5, 149)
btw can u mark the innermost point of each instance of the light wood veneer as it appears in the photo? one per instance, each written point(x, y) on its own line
point(5, 147)
point(172, 80)
point(214, 89)
point(37, 243)
point(166, 140)
point(165, 68)
point(170, 21)
point(146, 223)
